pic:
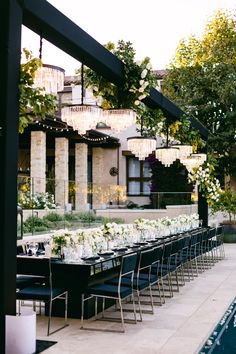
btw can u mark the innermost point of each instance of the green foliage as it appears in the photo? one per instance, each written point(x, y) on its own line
point(202, 81)
point(226, 203)
point(138, 79)
point(34, 223)
point(34, 102)
point(54, 221)
point(53, 217)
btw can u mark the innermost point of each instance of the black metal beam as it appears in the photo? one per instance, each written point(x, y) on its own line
point(42, 18)
point(157, 100)
point(10, 34)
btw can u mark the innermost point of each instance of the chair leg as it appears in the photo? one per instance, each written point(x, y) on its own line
point(82, 312)
point(139, 306)
point(134, 307)
point(103, 306)
point(66, 308)
point(49, 317)
point(122, 315)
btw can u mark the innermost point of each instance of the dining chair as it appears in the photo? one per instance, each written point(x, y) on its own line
point(116, 291)
point(42, 292)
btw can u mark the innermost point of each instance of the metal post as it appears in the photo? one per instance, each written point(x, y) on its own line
point(202, 209)
point(10, 47)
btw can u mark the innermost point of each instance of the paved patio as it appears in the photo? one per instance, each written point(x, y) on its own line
point(181, 325)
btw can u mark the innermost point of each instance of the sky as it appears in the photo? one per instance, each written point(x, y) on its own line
point(154, 27)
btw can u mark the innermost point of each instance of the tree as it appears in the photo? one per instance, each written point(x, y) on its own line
point(34, 102)
point(202, 81)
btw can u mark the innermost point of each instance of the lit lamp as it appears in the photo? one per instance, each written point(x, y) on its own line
point(119, 119)
point(167, 154)
point(184, 150)
point(141, 146)
point(81, 117)
point(193, 161)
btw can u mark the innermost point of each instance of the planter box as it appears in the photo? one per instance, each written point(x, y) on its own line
point(229, 233)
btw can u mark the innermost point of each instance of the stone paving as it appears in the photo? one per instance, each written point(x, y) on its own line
point(180, 326)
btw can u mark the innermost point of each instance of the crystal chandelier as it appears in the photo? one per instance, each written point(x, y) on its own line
point(184, 150)
point(167, 155)
point(50, 78)
point(141, 147)
point(119, 119)
point(81, 117)
point(193, 161)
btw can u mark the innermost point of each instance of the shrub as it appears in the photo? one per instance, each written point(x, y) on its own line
point(53, 217)
point(33, 222)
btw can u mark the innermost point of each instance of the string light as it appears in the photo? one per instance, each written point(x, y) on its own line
point(67, 129)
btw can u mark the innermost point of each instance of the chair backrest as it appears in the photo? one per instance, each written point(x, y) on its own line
point(219, 230)
point(128, 264)
point(212, 232)
point(146, 259)
point(158, 253)
point(167, 250)
point(35, 266)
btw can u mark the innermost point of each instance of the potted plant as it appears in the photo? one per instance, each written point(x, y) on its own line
point(227, 205)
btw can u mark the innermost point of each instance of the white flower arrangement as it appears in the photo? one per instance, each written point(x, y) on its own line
point(97, 238)
point(208, 184)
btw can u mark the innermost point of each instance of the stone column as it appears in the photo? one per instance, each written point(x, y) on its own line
point(61, 171)
point(98, 177)
point(81, 176)
point(38, 161)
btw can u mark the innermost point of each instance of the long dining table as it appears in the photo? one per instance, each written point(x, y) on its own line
point(76, 276)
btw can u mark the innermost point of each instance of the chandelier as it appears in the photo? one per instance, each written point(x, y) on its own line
point(81, 117)
point(167, 155)
point(184, 150)
point(119, 119)
point(50, 78)
point(141, 147)
point(194, 161)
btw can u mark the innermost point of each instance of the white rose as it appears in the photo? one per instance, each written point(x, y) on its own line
point(144, 73)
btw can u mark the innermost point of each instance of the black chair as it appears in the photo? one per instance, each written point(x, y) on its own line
point(165, 268)
point(40, 292)
point(116, 291)
point(143, 279)
point(22, 281)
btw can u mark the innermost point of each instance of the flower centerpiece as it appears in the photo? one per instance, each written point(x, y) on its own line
point(109, 231)
point(60, 239)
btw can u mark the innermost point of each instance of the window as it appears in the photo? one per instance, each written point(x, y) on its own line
point(138, 177)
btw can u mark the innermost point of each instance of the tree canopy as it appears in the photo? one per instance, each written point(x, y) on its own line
point(202, 81)
point(34, 102)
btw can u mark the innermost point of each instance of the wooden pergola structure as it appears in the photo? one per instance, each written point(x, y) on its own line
point(42, 18)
